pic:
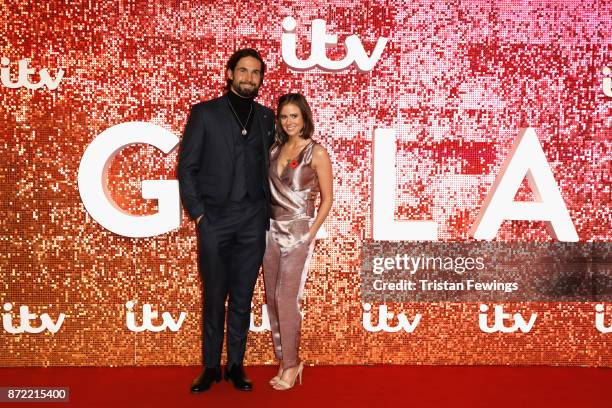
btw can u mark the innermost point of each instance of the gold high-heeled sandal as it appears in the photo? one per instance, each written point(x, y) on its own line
point(283, 385)
point(277, 377)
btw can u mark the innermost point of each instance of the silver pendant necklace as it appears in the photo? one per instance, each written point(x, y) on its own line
point(244, 131)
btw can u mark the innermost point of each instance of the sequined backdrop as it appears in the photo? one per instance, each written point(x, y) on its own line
point(456, 80)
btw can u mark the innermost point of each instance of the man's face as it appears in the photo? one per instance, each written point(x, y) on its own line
point(246, 77)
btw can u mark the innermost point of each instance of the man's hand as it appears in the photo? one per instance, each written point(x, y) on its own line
point(198, 219)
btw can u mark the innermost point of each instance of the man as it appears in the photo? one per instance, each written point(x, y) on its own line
point(223, 177)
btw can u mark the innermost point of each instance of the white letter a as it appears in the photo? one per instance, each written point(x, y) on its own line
point(526, 159)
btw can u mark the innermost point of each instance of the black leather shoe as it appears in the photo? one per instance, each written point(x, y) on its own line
point(206, 378)
point(235, 374)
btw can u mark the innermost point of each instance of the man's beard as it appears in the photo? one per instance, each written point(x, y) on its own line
point(245, 92)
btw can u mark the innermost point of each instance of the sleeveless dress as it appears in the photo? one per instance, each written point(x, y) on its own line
point(288, 249)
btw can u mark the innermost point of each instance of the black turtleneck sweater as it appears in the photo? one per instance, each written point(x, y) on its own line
point(242, 106)
point(248, 152)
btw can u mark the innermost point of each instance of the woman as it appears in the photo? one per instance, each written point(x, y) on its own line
point(300, 169)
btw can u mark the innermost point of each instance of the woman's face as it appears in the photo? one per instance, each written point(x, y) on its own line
point(291, 120)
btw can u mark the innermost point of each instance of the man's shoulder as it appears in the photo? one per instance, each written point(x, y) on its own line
point(211, 104)
point(264, 109)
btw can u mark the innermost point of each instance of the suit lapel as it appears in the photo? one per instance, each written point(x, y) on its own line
point(260, 120)
point(226, 116)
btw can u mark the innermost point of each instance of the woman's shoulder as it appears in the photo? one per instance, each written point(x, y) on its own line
point(318, 150)
point(318, 153)
point(274, 148)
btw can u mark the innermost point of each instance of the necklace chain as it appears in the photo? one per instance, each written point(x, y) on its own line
point(244, 131)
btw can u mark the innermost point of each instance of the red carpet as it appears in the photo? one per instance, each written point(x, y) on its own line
point(344, 386)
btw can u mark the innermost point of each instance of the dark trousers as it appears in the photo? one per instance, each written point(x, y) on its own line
point(231, 244)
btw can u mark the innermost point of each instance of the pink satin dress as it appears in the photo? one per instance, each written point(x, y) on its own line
point(289, 250)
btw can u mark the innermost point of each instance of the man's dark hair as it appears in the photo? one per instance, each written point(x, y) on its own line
point(240, 54)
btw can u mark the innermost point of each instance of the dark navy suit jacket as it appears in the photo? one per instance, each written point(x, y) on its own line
point(206, 157)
